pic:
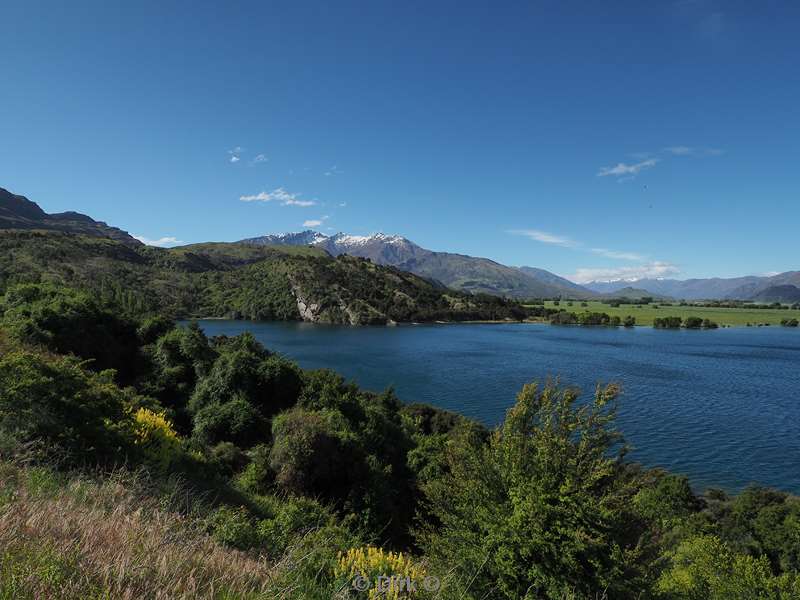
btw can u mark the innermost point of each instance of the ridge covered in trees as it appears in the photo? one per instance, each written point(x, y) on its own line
point(238, 281)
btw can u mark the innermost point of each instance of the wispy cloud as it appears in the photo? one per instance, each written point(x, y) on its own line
point(334, 170)
point(164, 241)
point(259, 158)
point(625, 172)
point(678, 150)
point(619, 255)
point(651, 270)
point(623, 169)
point(567, 242)
point(342, 204)
point(692, 151)
point(284, 197)
point(545, 238)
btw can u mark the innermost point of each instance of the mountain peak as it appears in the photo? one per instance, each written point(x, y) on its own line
point(17, 212)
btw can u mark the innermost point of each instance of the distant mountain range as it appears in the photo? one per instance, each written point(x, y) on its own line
point(17, 212)
point(761, 289)
point(457, 271)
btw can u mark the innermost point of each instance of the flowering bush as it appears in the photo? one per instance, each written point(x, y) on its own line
point(154, 434)
point(370, 565)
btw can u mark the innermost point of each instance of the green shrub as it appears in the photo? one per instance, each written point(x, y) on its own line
point(236, 421)
point(56, 401)
point(233, 527)
point(307, 455)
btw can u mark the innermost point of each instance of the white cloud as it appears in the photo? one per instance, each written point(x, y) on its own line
point(316, 222)
point(334, 170)
point(280, 195)
point(164, 241)
point(235, 154)
point(259, 159)
point(342, 204)
point(293, 202)
point(622, 169)
point(679, 150)
point(566, 242)
point(651, 270)
point(545, 238)
point(615, 254)
point(690, 151)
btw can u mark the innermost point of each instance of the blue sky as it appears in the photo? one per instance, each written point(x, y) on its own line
point(593, 139)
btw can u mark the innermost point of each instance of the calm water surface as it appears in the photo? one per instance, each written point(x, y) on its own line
point(721, 406)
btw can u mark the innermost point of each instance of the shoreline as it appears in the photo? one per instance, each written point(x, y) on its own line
point(493, 322)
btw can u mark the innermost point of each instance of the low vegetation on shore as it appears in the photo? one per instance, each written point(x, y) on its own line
point(143, 460)
point(740, 315)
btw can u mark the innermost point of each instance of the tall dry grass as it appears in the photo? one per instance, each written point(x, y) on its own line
point(78, 539)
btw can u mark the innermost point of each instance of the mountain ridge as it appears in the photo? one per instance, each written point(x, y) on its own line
point(18, 212)
point(717, 288)
point(458, 271)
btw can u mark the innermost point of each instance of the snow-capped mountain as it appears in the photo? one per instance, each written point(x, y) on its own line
point(739, 288)
point(302, 238)
point(458, 271)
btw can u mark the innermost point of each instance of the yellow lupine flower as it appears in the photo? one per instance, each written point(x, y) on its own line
point(370, 563)
point(156, 435)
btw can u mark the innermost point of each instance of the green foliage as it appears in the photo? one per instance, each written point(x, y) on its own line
point(245, 369)
point(70, 322)
point(299, 465)
point(307, 455)
point(670, 499)
point(539, 511)
point(238, 281)
point(57, 401)
point(667, 322)
point(236, 421)
point(233, 527)
point(705, 568)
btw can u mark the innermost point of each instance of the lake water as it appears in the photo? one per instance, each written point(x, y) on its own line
point(721, 406)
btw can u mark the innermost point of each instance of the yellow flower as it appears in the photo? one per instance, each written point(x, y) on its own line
point(369, 563)
point(154, 433)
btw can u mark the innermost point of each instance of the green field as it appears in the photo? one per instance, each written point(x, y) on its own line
point(722, 316)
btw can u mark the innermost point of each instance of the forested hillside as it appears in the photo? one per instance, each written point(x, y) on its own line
point(247, 477)
point(238, 281)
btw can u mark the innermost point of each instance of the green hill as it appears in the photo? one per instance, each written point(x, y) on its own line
point(238, 281)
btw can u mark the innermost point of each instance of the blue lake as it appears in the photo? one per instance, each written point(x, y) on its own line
point(722, 406)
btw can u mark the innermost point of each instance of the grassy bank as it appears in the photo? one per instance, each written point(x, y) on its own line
point(644, 314)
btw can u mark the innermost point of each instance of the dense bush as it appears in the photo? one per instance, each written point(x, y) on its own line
point(667, 322)
point(78, 414)
point(302, 466)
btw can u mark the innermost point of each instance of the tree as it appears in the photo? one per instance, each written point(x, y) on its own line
point(693, 322)
point(539, 511)
point(705, 568)
point(71, 322)
point(667, 322)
